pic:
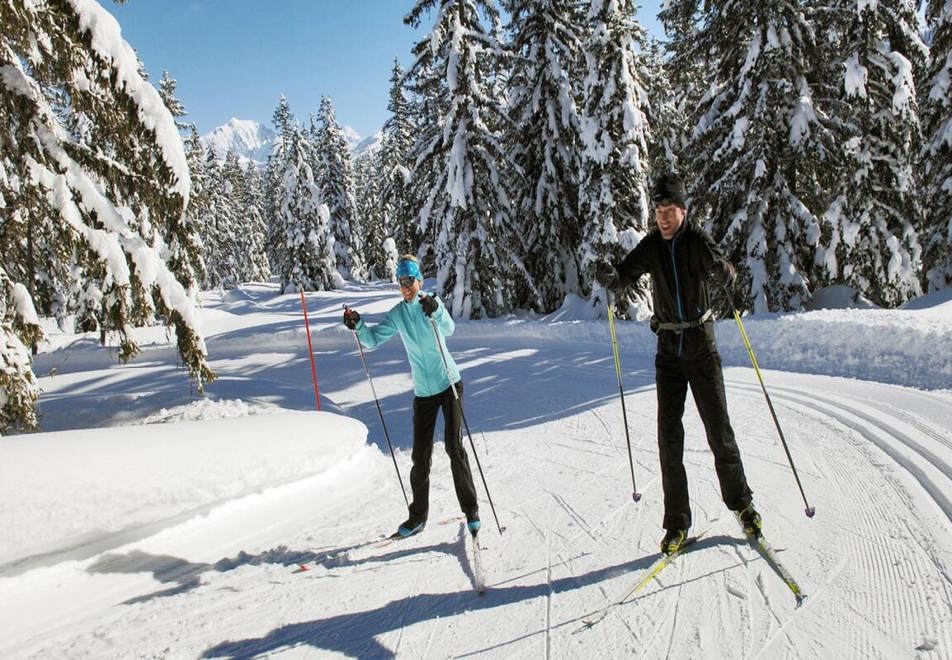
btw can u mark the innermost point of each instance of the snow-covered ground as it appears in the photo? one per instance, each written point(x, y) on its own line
point(150, 522)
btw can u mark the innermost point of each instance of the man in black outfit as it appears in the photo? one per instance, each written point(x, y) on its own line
point(682, 259)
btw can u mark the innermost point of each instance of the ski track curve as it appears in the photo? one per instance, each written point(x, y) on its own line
point(896, 582)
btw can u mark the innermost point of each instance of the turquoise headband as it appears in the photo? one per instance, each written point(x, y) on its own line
point(408, 268)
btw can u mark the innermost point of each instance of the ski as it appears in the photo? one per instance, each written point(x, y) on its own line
point(479, 582)
point(650, 574)
point(770, 556)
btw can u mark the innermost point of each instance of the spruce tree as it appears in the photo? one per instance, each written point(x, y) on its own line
point(231, 239)
point(371, 212)
point(676, 91)
point(336, 180)
point(284, 126)
point(253, 261)
point(546, 45)
point(306, 243)
point(668, 122)
point(462, 161)
point(397, 142)
point(429, 103)
point(167, 91)
point(92, 159)
point(936, 108)
point(758, 151)
point(184, 246)
point(874, 245)
point(613, 199)
point(216, 226)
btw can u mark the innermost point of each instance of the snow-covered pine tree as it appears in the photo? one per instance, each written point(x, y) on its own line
point(217, 226)
point(370, 212)
point(184, 249)
point(284, 126)
point(167, 91)
point(758, 150)
point(91, 152)
point(395, 148)
point(253, 261)
point(336, 181)
point(429, 104)
point(307, 243)
point(544, 120)
point(462, 161)
point(391, 260)
point(613, 197)
point(234, 238)
point(675, 95)
point(667, 120)
point(874, 217)
point(19, 329)
point(936, 113)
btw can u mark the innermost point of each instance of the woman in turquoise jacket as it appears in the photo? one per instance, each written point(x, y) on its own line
point(432, 383)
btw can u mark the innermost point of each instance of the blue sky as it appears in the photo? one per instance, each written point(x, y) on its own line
point(234, 58)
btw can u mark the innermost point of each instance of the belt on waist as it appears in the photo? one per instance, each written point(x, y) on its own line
point(685, 325)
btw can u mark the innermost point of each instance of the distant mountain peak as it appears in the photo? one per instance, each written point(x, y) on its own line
point(249, 139)
point(253, 141)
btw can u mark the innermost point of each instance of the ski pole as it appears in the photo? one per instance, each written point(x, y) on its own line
point(446, 367)
point(360, 349)
point(635, 495)
point(810, 511)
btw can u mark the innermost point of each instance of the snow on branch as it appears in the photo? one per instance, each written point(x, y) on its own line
point(107, 42)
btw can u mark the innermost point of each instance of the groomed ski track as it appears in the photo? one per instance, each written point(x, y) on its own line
point(875, 562)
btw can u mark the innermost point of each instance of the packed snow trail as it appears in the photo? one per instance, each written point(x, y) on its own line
point(876, 560)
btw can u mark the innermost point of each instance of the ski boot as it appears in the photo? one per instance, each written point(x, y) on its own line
point(409, 528)
point(472, 522)
point(750, 522)
point(673, 540)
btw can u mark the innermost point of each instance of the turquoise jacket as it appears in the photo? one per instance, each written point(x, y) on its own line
point(426, 363)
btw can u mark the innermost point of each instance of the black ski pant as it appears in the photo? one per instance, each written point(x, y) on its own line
point(425, 409)
point(702, 371)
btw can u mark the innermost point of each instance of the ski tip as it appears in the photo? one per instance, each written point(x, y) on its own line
point(636, 497)
point(810, 511)
point(302, 568)
point(800, 599)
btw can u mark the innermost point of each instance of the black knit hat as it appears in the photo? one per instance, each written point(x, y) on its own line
point(669, 189)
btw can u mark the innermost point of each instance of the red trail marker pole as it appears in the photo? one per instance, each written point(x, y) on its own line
point(310, 352)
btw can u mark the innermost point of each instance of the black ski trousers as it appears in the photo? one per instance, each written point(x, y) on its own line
point(693, 360)
point(425, 409)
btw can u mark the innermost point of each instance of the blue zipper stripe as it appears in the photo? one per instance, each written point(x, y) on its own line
point(677, 295)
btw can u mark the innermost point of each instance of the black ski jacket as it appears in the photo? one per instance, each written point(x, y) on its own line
point(680, 270)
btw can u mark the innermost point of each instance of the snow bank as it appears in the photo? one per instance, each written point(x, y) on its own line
point(62, 490)
point(911, 347)
point(899, 347)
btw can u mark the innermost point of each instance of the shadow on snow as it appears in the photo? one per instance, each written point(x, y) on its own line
point(353, 634)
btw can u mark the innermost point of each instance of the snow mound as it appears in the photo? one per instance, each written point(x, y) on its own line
point(838, 297)
point(939, 299)
point(210, 409)
point(109, 480)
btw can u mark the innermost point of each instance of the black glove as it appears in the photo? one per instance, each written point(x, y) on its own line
point(606, 274)
point(351, 318)
point(429, 304)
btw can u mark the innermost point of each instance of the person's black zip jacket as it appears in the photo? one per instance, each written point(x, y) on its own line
point(681, 270)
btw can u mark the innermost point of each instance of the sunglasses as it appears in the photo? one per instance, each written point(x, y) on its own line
point(406, 281)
